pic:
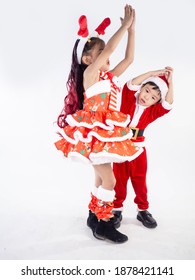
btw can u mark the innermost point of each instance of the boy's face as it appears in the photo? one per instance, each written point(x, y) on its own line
point(148, 96)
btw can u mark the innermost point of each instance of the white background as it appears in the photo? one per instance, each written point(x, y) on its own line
point(43, 197)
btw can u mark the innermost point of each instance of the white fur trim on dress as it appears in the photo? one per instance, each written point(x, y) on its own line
point(104, 157)
point(110, 123)
point(98, 88)
point(77, 157)
point(105, 195)
point(79, 137)
point(101, 158)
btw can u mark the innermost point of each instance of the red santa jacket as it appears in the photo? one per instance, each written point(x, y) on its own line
point(141, 116)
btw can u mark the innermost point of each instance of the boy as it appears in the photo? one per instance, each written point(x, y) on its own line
point(145, 98)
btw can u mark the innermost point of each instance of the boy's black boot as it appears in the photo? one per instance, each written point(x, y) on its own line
point(106, 230)
point(146, 218)
point(92, 221)
point(117, 218)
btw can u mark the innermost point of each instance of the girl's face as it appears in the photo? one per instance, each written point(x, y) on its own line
point(95, 52)
point(148, 96)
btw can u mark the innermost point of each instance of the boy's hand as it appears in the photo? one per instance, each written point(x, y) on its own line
point(169, 74)
point(167, 71)
point(158, 72)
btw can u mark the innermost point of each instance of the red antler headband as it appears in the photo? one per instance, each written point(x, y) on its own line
point(83, 33)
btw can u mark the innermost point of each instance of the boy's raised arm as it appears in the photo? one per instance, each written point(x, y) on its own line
point(139, 79)
point(169, 77)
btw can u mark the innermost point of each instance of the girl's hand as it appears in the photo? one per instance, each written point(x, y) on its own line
point(129, 16)
point(132, 27)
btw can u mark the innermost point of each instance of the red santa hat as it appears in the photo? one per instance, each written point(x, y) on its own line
point(161, 82)
point(84, 33)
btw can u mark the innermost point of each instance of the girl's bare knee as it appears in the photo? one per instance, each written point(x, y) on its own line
point(109, 183)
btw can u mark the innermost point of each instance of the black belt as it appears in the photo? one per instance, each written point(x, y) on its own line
point(137, 132)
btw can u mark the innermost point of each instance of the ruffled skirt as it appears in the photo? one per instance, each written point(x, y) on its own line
point(98, 137)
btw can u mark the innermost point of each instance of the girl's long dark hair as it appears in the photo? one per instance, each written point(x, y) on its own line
point(74, 99)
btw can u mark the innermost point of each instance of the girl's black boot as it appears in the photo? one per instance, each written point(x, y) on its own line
point(106, 231)
point(92, 221)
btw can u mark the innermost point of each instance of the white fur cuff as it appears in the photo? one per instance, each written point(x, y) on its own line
point(105, 195)
point(94, 191)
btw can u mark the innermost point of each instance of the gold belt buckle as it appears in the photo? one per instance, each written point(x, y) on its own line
point(136, 132)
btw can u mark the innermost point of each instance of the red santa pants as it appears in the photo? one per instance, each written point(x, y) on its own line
point(134, 170)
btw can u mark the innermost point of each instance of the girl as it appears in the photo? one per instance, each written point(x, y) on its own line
point(92, 128)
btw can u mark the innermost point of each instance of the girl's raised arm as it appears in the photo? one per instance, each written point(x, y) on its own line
point(130, 49)
point(111, 45)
